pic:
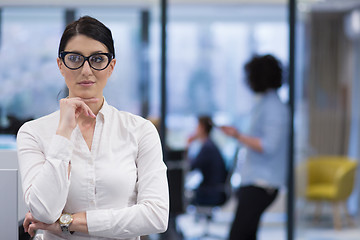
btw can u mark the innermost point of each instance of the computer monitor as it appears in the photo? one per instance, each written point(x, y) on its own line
point(9, 204)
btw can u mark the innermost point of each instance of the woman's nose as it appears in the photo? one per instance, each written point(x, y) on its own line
point(86, 69)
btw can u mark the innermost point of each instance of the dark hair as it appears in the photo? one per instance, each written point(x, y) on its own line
point(91, 28)
point(263, 73)
point(206, 122)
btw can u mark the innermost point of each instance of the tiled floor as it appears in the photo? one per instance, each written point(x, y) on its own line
point(193, 229)
point(189, 226)
point(273, 227)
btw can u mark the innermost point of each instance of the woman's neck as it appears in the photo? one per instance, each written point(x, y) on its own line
point(95, 107)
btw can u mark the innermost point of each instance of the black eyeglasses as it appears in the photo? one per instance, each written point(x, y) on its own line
point(97, 61)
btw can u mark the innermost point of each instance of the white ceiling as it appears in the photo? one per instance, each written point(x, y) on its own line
point(331, 5)
point(128, 2)
point(313, 4)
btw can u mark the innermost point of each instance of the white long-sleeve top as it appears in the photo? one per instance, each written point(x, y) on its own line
point(121, 183)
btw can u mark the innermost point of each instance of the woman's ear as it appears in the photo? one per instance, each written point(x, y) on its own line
point(60, 65)
point(111, 67)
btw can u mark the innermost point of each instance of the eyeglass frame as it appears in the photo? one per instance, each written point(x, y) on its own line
point(64, 53)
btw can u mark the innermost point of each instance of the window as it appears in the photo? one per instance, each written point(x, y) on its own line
point(30, 80)
point(207, 50)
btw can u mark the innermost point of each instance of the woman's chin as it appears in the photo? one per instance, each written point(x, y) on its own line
point(85, 95)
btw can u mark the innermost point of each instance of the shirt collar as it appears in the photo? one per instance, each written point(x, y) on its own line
point(104, 110)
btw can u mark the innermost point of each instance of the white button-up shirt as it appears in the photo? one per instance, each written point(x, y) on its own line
point(121, 183)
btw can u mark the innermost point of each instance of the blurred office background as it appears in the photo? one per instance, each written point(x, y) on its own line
point(207, 44)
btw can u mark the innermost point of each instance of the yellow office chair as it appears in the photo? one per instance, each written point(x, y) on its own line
point(331, 178)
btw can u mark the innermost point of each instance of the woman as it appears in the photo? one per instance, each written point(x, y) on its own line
point(263, 172)
point(210, 163)
point(88, 170)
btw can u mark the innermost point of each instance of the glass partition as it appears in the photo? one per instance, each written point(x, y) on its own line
point(207, 49)
point(208, 46)
point(327, 119)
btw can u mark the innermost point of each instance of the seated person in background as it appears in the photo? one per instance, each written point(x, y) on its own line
point(210, 163)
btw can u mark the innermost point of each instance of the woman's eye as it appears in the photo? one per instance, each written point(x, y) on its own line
point(74, 58)
point(97, 59)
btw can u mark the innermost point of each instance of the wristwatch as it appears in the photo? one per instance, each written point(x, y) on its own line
point(65, 220)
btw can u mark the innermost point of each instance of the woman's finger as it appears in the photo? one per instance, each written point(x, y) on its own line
point(32, 229)
point(91, 114)
point(34, 226)
point(27, 221)
point(229, 131)
point(81, 105)
point(85, 108)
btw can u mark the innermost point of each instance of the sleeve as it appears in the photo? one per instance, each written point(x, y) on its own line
point(150, 214)
point(45, 179)
point(275, 127)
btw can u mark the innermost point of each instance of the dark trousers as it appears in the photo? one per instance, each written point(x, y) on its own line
point(252, 202)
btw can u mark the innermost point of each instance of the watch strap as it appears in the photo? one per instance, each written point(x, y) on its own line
point(65, 229)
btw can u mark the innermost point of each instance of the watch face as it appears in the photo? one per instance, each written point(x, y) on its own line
point(65, 218)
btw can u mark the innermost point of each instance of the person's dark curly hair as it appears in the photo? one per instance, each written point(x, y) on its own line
point(263, 73)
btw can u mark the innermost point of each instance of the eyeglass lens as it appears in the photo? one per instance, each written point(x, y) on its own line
point(96, 61)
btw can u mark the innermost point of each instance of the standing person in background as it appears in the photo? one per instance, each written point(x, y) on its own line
point(210, 163)
point(263, 173)
point(90, 171)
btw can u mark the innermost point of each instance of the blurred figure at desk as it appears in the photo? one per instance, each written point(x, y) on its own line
point(210, 163)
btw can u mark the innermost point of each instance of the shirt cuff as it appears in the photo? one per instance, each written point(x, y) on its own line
point(60, 148)
point(98, 221)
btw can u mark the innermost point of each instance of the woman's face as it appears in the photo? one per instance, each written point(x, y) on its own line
point(85, 82)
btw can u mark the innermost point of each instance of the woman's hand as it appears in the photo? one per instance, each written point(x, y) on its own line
point(252, 142)
point(31, 225)
point(191, 139)
point(230, 131)
point(70, 110)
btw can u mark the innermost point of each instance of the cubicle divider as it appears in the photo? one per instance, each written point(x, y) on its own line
point(9, 203)
point(8, 160)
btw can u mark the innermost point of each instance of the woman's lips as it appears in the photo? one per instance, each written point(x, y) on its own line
point(86, 83)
